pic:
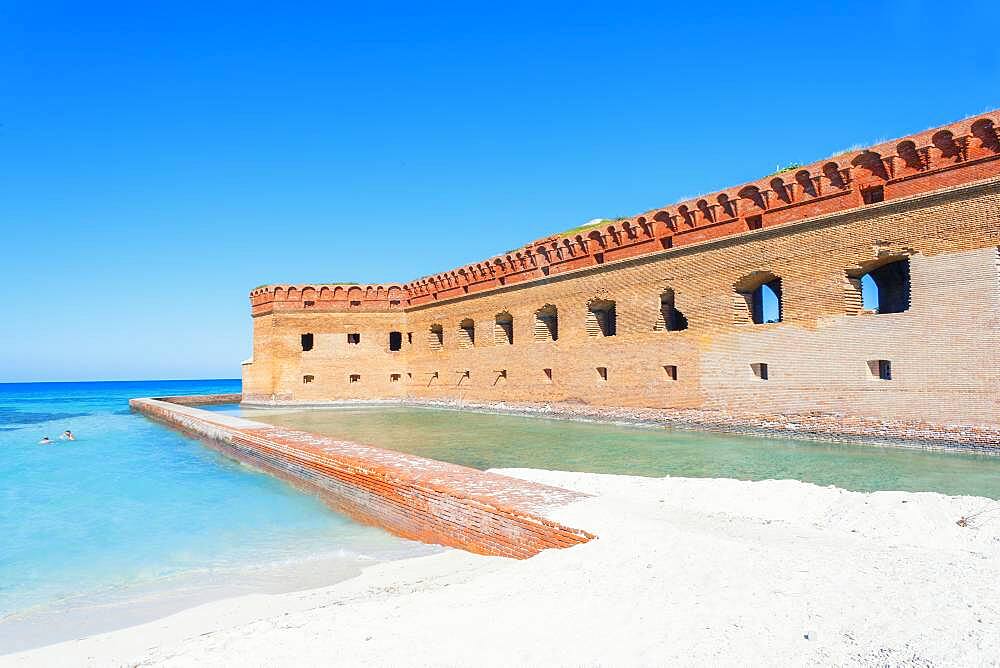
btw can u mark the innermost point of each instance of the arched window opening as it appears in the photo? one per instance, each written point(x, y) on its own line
point(435, 337)
point(307, 341)
point(888, 287)
point(503, 329)
point(601, 318)
point(466, 333)
point(547, 323)
point(767, 303)
point(758, 299)
point(395, 341)
point(884, 288)
point(669, 319)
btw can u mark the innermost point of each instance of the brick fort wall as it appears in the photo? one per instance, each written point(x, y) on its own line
point(659, 310)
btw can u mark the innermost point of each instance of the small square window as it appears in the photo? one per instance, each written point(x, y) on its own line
point(393, 302)
point(602, 373)
point(355, 304)
point(873, 195)
point(880, 369)
point(307, 341)
point(394, 378)
point(354, 338)
point(759, 370)
point(355, 378)
point(308, 303)
point(755, 222)
point(671, 371)
point(548, 375)
point(308, 378)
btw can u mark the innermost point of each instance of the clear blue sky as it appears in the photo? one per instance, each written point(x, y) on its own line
point(158, 160)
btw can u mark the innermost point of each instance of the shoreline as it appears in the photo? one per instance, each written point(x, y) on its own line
point(113, 608)
point(821, 427)
point(686, 569)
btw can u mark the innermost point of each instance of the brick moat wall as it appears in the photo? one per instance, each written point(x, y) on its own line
point(940, 221)
point(417, 498)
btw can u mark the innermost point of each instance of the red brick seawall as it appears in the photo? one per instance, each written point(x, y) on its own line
point(206, 399)
point(413, 497)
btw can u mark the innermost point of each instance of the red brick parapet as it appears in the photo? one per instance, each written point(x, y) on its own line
point(417, 498)
point(327, 297)
point(951, 155)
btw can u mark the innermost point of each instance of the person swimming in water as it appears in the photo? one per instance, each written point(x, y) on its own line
point(67, 436)
point(45, 441)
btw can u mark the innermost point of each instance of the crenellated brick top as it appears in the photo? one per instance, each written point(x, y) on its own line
point(935, 159)
point(329, 297)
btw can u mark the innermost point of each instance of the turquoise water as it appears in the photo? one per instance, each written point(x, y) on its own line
point(132, 506)
point(501, 441)
point(137, 518)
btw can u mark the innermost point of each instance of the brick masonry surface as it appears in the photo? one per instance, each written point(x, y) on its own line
point(529, 326)
point(417, 498)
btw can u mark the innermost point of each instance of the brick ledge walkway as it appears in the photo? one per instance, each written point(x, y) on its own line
point(415, 497)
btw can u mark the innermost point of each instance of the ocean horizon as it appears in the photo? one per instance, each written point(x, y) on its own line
point(113, 380)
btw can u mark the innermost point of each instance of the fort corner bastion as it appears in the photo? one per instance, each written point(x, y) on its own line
point(669, 309)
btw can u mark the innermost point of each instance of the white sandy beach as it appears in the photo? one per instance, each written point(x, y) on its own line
point(688, 571)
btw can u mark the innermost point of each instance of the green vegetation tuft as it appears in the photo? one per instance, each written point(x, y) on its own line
point(590, 226)
point(790, 167)
point(264, 285)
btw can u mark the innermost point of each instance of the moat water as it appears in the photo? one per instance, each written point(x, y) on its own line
point(485, 440)
point(134, 520)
